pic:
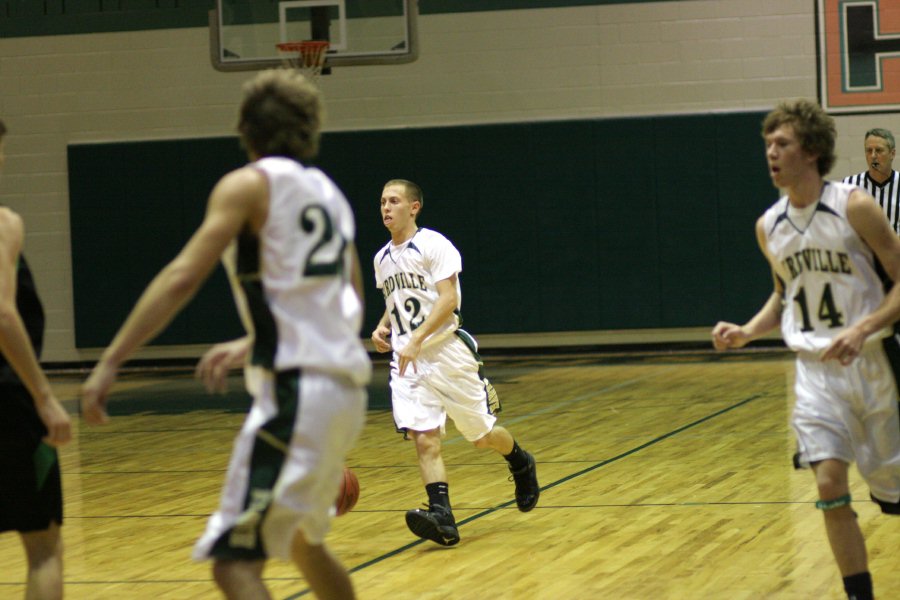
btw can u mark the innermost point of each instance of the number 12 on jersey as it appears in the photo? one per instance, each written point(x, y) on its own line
point(413, 307)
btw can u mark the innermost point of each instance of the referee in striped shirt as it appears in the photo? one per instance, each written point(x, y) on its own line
point(881, 180)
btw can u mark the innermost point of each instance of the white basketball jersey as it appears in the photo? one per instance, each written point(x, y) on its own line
point(291, 281)
point(828, 272)
point(407, 274)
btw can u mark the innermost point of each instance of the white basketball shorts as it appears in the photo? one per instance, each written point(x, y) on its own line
point(444, 382)
point(850, 413)
point(286, 466)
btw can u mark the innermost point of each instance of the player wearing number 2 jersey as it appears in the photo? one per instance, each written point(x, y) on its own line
point(286, 232)
point(435, 371)
point(823, 241)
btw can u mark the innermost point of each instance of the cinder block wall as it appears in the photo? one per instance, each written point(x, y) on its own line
point(640, 58)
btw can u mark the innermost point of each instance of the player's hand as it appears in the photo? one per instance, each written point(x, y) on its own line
point(845, 346)
point(57, 422)
point(213, 367)
point(94, 392)
point(408, 355)
point(728, 335)
point(380, 338)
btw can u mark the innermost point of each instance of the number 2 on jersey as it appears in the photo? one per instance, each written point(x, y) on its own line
point(326, 256)
point(413, 306)
point(827, 310)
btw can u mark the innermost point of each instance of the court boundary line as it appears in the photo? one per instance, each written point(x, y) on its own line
point(554, 484)
point(478, 515)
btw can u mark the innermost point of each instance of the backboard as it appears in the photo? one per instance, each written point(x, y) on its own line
point(243, 33)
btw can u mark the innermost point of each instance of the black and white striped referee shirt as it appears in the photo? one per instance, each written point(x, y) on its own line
point(887, 194)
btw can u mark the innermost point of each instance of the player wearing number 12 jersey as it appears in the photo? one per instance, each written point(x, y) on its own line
point(823, 241)
point(436, 370)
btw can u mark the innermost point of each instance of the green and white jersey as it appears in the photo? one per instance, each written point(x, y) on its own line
point(291, 281)
point(407, 274)
point(828, 272)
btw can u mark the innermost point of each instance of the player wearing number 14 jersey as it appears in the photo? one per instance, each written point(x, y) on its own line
point(823, 241)
point(825, 267)
point(436, 370)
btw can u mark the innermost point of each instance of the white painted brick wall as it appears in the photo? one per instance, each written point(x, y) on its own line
point(593, 61)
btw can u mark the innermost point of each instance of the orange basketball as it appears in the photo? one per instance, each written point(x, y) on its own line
point(348, 493)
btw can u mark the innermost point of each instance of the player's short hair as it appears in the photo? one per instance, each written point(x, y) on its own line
point(281, 115)
point(412, 190)
point(2, 128)
point(882, 133)
point(814, 128)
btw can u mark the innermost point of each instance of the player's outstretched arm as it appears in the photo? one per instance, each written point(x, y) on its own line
point(14, 341)
point(727, 335)
point(238, 199)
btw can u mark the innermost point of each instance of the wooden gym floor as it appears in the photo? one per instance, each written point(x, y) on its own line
point(663, 476)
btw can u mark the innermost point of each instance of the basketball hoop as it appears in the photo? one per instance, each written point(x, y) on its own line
point(307, 57)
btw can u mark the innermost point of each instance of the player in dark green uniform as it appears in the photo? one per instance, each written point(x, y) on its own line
point(33, 421)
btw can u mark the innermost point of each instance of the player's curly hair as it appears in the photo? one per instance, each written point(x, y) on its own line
point(814, 128)
point(281, 115)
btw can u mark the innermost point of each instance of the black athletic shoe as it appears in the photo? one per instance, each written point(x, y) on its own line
point(435, 524)
point(527, 489)
point(888, 508)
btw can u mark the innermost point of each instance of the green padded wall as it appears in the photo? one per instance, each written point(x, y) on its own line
point(563, 226)
point(132, 207)
point(24, 18)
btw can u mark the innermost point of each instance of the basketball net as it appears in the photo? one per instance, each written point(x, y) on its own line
point(306, 57)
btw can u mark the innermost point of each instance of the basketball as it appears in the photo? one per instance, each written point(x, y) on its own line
point(348, 493)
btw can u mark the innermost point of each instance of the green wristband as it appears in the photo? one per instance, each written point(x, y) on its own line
point(833, 504)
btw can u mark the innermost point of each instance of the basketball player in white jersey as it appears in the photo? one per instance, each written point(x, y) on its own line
point(880, 179)
point(822, 240)
point(435, 371)
point(288, 232)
